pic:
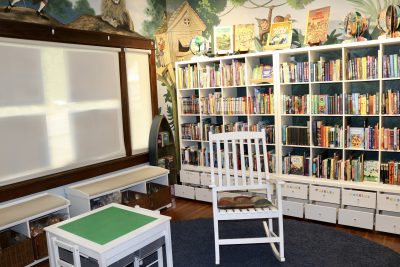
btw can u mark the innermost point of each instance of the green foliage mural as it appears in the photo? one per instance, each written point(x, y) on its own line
point(155, 12)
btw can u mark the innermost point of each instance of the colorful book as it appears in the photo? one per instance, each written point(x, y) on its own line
point(371, 170)
point(297, 165)
point(317, 26)
point(280, 35)
point(356, 137)
point(244, 37)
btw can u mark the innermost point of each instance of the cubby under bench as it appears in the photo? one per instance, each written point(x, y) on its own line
point(22, 239)
point(146, 187)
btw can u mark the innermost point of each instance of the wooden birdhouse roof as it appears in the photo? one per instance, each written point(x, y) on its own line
point(172, 19)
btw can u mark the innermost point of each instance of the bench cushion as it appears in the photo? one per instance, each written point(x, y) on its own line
point(124, 180)
point(29, 208)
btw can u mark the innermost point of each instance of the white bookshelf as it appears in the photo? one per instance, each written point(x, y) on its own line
point(383, 219)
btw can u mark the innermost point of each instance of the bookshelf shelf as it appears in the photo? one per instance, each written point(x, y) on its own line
point(318, 85)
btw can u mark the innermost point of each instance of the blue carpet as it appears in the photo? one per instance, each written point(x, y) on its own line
point(306, 244)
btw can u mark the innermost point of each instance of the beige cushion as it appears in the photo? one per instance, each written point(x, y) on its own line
point(121, 181)
point(29, 208)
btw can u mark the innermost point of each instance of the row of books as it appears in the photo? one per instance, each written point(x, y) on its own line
point(167, 162)
point(190, 105)
point(190, 155)
point(362, 104)
point(262, 102)
point(296, 164)
point(292, 104)
point(362, 137)
point(190, 131)
point(391, 102)
point(390, 172)
point(211, 127)
point(203, 156)
point(187, 77)
point(211, 104)
point(233, 74)
point(390, 138)
point(353, 169)
point(390, 66)
point(323, 70)
point(295, 135)
point(362, 68)
point(209, 76)
point(327, 104)
point(326, 136)
point(294, 72)
point(234, 105)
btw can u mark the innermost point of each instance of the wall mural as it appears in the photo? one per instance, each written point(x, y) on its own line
point(173, 23)
point(110, 16)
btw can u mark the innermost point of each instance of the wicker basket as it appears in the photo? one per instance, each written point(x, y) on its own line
point(39, 243)
point(133, 198)
point(160, 195)
point(16, 249)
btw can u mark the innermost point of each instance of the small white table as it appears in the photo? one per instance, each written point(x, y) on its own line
point(110, 234)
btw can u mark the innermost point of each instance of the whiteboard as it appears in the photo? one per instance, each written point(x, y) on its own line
point(60, 108)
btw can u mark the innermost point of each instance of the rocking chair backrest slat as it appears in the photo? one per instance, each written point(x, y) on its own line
point(219, 163)
point(256, 144)
point(242, 160)
point(226, 160)
point(251, 166)
point(234, 159)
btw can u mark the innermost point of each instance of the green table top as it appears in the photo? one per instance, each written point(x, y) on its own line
point(106, 225)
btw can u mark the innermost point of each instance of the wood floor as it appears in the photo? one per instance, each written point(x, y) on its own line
point(189, 209)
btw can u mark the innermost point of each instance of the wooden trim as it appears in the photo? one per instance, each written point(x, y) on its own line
point(153, 82)
point(47, 182)
point(33, 31)
point(125, 103)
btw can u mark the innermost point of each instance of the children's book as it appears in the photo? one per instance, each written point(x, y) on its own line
point(297, 165)
point(371, 170)
point(317, 26)
point(356, 137)
point(280, 35)
point(244, 37)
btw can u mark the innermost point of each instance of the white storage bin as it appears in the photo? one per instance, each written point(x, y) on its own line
point(359, 198)
point(320, 213)
point(388, 224)
point(184, 191)
point(190, 177)
point(295, 190)
point(292, 208)
point(325, 194)
point(205, 179)
point(356, 218)
point(389, 202)
point(203, 194)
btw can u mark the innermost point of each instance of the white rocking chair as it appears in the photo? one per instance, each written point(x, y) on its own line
point(231, 178)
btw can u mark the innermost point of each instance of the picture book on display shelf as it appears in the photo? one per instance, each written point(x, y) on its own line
point(317, 26)
point(244, 38)
point(280, 35)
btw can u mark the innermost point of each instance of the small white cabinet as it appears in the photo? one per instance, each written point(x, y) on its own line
point(24, 221)
point(99, 192)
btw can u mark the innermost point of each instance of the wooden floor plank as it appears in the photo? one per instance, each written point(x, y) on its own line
point(186, 209)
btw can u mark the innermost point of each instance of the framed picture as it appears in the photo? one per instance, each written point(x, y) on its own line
point(223, 39)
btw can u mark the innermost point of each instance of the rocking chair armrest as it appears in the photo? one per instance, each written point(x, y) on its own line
point(277, 182)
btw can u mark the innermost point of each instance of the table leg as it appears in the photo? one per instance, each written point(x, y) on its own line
point(160, 257)
point(168, 245)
